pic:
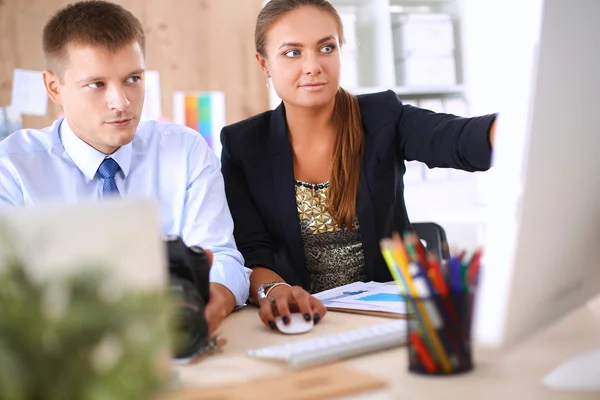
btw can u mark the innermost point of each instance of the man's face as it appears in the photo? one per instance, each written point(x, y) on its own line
point(102, 93)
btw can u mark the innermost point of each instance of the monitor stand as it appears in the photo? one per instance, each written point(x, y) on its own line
point(581, 373)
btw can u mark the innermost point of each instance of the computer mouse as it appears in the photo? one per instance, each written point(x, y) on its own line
point(297, 324)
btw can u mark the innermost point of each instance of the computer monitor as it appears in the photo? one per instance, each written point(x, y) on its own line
point(122, 236)
point(543, 234)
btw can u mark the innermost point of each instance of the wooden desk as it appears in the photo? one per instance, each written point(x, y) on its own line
point(515, 374)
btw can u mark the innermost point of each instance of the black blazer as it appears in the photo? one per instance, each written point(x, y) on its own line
point(258, 170)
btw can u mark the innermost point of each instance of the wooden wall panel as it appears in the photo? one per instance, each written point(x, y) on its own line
point(194, 44)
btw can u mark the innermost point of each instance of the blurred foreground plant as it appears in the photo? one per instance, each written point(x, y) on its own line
point(69, 338)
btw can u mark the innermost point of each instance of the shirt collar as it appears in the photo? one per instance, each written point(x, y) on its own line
point(87, 158)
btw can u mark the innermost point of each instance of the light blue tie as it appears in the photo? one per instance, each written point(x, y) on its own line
point(107, 170)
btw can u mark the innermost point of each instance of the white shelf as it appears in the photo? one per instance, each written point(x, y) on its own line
point(374, 62)
point(448, 197)
point(426, 90)
point(410, 91)
point(343, 3)
point(422, 2)
point(370, 61)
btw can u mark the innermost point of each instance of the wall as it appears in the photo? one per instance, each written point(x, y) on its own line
point(194, 44)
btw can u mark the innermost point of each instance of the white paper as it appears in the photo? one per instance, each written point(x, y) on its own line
point(28, 92)
point(355, 297)
point(579, 373)
point(152, 100)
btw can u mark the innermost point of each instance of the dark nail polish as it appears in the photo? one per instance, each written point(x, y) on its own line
point(317, 318)
point(272, 325)
point(307, 316)
point(286, 320)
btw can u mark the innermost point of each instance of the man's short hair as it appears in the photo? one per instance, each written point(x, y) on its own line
point(93, 22)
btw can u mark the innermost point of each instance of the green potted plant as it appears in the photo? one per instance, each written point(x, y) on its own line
point(65, 339)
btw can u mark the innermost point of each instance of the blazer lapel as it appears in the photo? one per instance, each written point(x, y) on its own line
point(282, 168)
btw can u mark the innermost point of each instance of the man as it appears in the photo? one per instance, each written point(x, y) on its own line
point(95, 69)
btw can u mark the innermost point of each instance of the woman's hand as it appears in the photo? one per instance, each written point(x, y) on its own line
point(492, 134)
point(284, 300)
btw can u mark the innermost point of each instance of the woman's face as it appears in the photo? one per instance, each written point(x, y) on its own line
point(303, 57)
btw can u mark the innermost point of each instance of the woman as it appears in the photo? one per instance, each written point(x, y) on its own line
point(315, 184)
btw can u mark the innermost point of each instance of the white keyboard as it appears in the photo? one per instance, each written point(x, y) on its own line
point(336, 346)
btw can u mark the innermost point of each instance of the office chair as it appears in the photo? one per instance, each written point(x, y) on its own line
point(434, 237)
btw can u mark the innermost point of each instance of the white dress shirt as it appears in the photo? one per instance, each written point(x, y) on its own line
point(168, 163)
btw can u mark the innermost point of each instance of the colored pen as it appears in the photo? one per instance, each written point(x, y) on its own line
point(397, 262)
point(399, 251)
point(436, 276)
point(422, 312)
point(388, 256)
point(473, 268)
point(416, 249)
point(420, 248)
point(438, 314)
point(454, 274)
point(422, 353)
point(463, 275)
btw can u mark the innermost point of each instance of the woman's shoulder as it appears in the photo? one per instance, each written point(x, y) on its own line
point(383, 97)
point(380, 108)
point(244, 135)
point(256, 123)
point(249, 137)
point(387, 100)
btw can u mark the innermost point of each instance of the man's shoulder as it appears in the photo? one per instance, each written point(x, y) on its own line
point(30, 141)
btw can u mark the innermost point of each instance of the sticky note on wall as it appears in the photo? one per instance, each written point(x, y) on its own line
point(204, 112)
point(29, 93)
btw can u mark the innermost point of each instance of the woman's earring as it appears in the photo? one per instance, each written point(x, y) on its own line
point(268, 84)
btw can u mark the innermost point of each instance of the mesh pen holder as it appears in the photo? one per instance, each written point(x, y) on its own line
point(439, 333)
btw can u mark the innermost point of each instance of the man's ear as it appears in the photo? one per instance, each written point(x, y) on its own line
point(263, 63)
point(52, 84)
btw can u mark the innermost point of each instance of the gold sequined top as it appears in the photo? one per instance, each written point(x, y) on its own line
point(334, 256)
